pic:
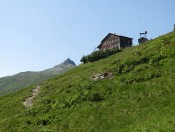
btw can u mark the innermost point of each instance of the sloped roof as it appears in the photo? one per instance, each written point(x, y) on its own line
point(112, 34)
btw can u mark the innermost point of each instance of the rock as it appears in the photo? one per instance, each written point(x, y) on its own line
point(100, 76)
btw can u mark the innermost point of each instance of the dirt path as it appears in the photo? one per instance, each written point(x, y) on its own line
point(28, 102)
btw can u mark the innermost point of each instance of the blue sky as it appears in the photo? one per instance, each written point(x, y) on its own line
point(38, 34)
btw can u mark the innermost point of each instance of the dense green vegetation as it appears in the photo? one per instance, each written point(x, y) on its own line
point(99, 54)
point(16, 82)
point(139, 97)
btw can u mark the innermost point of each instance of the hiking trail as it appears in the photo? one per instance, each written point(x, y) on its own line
point(28, 102)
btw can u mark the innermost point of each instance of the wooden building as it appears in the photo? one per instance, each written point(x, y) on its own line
point(113, 40)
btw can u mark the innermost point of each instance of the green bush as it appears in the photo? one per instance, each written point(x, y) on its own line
point(141, 78)
point(100, 54)
point(96, 97)
point(44, 121)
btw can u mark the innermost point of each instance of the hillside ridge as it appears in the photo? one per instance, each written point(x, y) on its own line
point(23, 79)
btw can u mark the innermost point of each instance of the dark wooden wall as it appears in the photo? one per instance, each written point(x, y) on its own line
point(125, 42)
point(110, 42)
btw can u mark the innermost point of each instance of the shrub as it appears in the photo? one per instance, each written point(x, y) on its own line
point(156, 59)
point(141, 78)
point(28, 122)
point(96, 97)
point(44, 121)
point(141, 67)
point(100, 54)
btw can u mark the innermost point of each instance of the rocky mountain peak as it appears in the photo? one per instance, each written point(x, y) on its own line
point(69, 61)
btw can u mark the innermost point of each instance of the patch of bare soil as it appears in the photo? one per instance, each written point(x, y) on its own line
point(28, 102)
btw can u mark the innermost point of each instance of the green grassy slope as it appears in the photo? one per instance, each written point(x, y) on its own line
point(139, 97)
